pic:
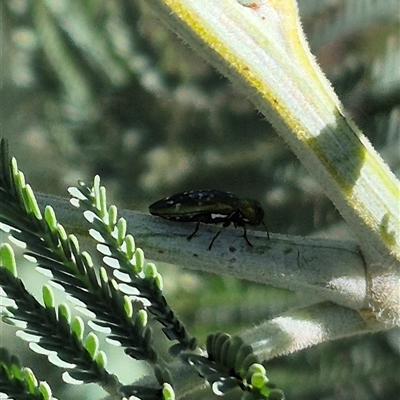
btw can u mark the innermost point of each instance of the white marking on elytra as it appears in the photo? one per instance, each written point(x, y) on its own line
point(215, 216)
point(170, 202)
point(177, 206)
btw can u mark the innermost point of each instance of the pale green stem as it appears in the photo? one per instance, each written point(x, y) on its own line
point(320, 269)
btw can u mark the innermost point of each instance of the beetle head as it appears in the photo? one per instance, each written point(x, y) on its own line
point(251, 211)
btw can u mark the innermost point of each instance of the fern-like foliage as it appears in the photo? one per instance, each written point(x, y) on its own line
point(121, 255)
point(52, 249)
point(20, 383)
point(232, 364)
point(52, 331)
point(120, 295)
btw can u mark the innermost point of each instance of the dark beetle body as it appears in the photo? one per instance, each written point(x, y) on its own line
point(210, 207)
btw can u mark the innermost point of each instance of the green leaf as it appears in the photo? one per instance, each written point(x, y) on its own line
point(130, 246)
point(65, 312)
point(101, 359)
point(142, 317)
point(48, 296)
point(139, 260)
point(50, 218)
point(7, 258)
point(33, 205)
point(128, 306)
point(112, 216)
point(78, 327)
point(150, 271)
point(45, 391)
point(168, 392)
point(121, 230)
point(92, 344)
point(30, 380)
point(260, 381)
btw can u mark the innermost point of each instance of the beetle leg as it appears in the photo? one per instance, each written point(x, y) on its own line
point(195, 231)
point(212, 241)
point(245, 235)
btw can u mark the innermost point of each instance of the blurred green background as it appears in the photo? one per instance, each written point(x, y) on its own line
point(102, 87)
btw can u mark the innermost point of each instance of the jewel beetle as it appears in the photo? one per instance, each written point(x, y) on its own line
point(210, 207)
